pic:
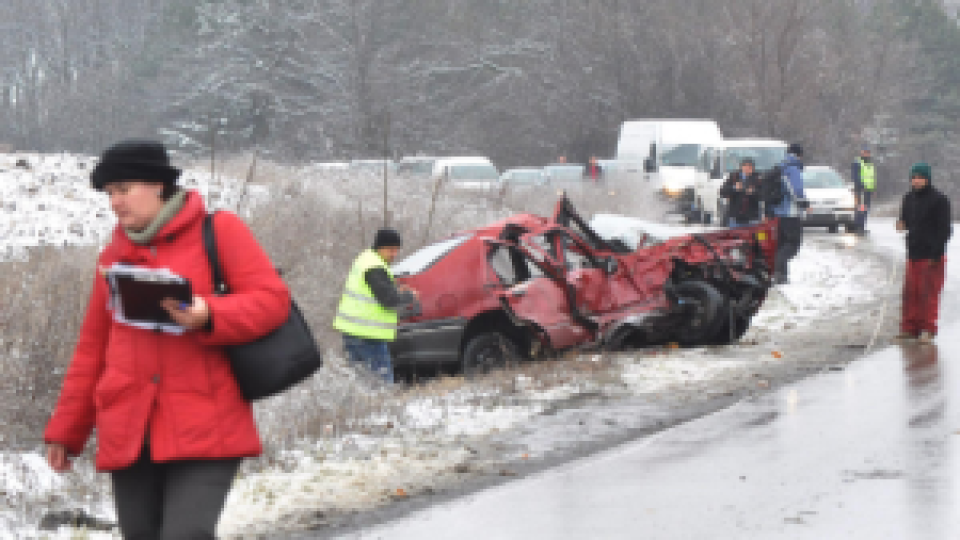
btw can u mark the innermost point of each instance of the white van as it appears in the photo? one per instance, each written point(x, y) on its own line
point(467, 172)
point(666, 154)
point(766, 154)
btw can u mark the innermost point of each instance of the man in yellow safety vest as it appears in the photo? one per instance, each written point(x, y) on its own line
point(864, 175)
point(367, 314)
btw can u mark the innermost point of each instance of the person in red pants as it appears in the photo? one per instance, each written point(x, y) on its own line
point(925, 216)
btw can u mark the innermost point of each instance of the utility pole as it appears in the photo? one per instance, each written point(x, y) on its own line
point(385, 127)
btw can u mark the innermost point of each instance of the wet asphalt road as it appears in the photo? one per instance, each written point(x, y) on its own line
point(872, 451)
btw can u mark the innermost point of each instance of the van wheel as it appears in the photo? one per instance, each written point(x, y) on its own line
point(487, 352)
point(706, 305)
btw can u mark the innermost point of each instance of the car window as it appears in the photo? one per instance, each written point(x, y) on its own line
point(427, 257)
point(574, 256)
point(468, 173)
point(764, 157)
point(511, 266)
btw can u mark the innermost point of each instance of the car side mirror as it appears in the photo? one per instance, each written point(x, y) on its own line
point(649, 166)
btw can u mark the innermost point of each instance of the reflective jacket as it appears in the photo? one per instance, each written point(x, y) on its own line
point(177, 391)
point(865, 175)
point(360, 314)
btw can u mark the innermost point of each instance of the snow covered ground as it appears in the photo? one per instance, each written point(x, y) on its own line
point(383, 445)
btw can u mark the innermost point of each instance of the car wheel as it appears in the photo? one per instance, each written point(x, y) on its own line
point(833, 229)
point(707, 306)
point(487, 352)
point(724, 335)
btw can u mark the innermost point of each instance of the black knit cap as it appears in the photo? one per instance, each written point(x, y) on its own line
point(387, 238)
point(134, 160)
point(795, 149)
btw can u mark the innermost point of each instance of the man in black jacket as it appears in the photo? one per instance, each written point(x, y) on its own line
point(925, 216)
point(742, 191)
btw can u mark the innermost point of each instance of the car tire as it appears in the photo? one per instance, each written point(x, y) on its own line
point(487, 352)
point(833, 229)
point(702, 327)
point(740, 326)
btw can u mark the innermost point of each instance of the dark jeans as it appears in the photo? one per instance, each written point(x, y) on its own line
point(179, 500)
point(866, 199)
point(789, 239)
point(372, 353)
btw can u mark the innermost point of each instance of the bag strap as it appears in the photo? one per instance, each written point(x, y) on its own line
point(210, 247)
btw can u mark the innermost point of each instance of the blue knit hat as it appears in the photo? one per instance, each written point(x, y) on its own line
point(923, 170)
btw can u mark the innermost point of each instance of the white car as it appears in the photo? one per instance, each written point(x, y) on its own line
point(467, 172)
point(524, 177)
point(832, 200)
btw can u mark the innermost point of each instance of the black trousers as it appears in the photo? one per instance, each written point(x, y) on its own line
point(789, 239)
point(179, 500)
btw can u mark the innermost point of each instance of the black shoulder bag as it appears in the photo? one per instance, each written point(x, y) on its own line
point(275, 362)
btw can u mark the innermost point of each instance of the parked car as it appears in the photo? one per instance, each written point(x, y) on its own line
point(467, 172)
point(832, 199)
point(528, 287)
point(373, 166)
point(523, 177)
point(416, 166)
point(708, 206)
point(567, 173)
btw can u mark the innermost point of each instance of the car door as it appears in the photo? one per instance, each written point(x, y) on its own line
point(584, 274)
point(534, 292)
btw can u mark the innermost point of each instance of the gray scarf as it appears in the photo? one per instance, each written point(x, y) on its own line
point(170, 209)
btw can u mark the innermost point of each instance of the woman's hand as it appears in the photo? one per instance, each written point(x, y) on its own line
point(57, 457)
point(191, 317)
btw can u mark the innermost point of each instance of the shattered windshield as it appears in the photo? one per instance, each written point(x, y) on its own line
point(427, 257)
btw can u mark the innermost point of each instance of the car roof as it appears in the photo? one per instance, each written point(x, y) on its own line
point(753, 143)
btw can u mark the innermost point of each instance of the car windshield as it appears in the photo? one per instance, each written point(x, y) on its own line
point(526, 177)
point(424, 167)
point(681, 155)
point(822, 179)
point(564, 173)
point(764, 158)
point(426, 257)
point(473, 173)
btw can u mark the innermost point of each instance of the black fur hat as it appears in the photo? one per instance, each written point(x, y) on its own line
point(387, 238)
point(134, 160)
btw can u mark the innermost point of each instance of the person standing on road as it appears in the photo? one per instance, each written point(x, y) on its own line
point(864, 175)
point(925, 216)
point(786, 201)
point(367, 315)
point(171, 422)
point(742, 191)
point(593, 172)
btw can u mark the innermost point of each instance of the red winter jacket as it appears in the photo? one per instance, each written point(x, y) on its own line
point(131, 383)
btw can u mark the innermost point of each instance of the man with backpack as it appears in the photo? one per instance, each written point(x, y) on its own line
point(785, 200)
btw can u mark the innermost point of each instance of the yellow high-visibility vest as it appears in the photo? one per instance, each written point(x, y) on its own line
point(868, 175)
point(359, 313)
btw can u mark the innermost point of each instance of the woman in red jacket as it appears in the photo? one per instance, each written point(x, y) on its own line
point(171, 423)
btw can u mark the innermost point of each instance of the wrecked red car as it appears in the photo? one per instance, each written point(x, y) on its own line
point(530, 286)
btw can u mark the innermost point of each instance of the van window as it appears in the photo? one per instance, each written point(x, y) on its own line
point(681, 155)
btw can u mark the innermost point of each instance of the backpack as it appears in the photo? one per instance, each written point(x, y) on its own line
point(773, 192)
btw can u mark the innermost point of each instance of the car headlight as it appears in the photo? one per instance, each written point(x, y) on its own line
point(738, 255)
